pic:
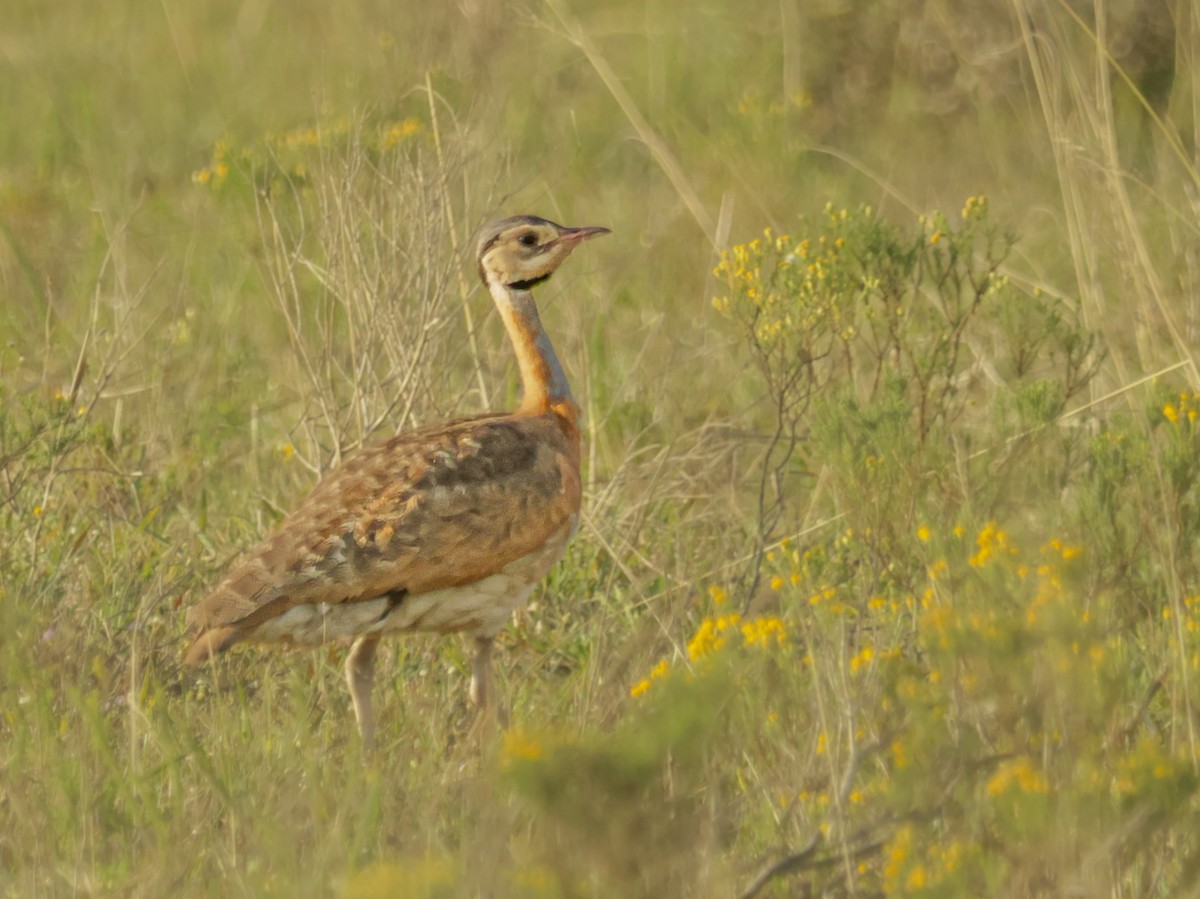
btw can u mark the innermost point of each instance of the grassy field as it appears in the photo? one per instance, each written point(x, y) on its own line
point(888, 579)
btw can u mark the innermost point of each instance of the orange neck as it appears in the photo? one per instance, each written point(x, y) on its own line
point(543, 383)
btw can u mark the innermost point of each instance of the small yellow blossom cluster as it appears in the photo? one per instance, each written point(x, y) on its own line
point(1056, 548)
point(900, 870)
point(1148, 768)
point(658, 672)
point(1050, 608)
point(306, 137)
point(398, 132)
point(535, 880)
point(764, 632)
point(710, 637)
point(428, 876)
point(1182, 410)
point(897, 853)
point(217, 170)
point(910, 868)
point(1189, 621)
point(787, 289)
point(1055, 556)
point(286, 149)
point(715, 633)
point(1017, 774)
point(975, 208)
point(862, 659)
point(813, 570)
point(992, 543)
point(382, 136)
point(520, 745)
point(757, 107)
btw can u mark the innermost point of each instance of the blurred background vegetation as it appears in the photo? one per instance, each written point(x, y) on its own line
point(892, 534)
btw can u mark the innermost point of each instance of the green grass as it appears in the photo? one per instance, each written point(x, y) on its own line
point(887, 577)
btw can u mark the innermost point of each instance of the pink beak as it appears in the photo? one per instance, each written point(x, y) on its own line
point(575, 235)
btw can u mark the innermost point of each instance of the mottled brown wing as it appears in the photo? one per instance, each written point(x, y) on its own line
point(435, 508)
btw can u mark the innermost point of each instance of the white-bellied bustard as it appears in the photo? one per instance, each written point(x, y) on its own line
point(444, 529)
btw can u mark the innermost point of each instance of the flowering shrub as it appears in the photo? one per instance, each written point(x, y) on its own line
point(879, 348)
point(275, 158)
point(976, 722)
point(964, 690)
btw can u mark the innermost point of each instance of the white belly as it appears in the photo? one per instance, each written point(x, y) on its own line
point(482, 608)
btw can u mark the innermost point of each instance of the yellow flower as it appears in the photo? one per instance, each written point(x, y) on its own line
point(897, 853)
point(975, 207)
point(862, 659)
point(658, 672)
point(991, 540)
point(429, 876)
point(399, 131)
point(764, 632)
point(923, 534)
point(1017, 773)
point(916, 878)
point(709, 638)
point(520, 745)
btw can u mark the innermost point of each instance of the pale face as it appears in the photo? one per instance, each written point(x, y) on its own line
point(521, 251)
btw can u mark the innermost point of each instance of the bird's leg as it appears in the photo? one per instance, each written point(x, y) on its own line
point(481, 673)
point(481, 682)
point(360, 676)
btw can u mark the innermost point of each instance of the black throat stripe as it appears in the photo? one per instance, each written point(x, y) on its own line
point(525, 285)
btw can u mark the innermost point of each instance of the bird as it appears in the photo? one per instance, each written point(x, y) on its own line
point(444, 529)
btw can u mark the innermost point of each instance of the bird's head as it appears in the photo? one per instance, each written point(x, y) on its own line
point(525, 250)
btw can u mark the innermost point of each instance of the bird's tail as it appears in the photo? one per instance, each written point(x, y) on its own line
point(209, 644)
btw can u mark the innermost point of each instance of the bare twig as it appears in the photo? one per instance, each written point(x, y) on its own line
point(789, 864)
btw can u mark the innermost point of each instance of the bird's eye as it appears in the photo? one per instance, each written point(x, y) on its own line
point(528, 239)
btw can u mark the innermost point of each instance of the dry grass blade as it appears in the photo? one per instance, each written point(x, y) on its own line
point(658, 148)
point(363, 283)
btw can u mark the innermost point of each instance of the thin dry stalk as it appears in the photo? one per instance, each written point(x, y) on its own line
point(361, 276)
point(654, 143)
point(464, 290)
